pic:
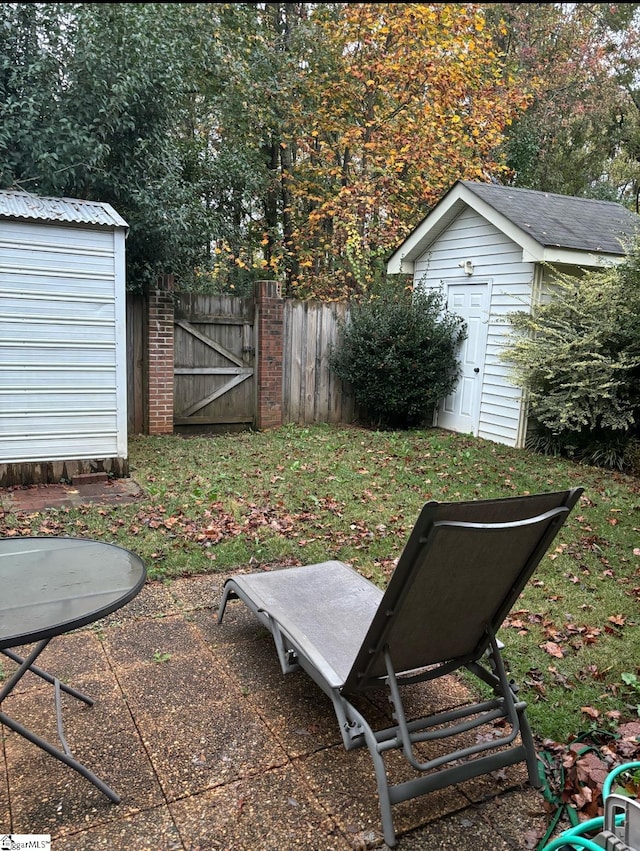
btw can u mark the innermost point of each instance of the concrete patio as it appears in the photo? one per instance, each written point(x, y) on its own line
point(211, 747)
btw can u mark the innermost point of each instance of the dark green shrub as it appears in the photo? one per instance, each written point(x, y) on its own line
point(611, 449)
point(632, 456)
point(399, 354)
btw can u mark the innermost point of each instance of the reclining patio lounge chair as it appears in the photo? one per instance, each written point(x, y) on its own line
point(461, 571)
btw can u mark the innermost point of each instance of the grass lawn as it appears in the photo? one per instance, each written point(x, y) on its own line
point(301, 494)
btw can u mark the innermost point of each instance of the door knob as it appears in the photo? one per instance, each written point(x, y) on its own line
point(477, 369)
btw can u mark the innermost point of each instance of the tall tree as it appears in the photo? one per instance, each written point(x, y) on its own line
point(88, 100)
point(299, 140)
point(581, 62)
point(36, 45)
point(242, 113)
point(412, 97)
point(352, 118)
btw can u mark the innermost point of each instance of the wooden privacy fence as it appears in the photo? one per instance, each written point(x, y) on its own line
point(311, 393)
point(198, 362)
point(137, 353)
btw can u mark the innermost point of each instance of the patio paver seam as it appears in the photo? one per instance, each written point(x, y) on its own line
point(142, 739)
point(289, 760)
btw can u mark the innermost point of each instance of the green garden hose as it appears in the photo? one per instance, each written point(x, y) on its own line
point(572, 836)
point(575, 841)
point(606, 786)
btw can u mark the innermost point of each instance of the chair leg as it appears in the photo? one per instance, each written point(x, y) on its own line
point(384, 793)
point(356, 730)
point(530, 750)
point(227, 594)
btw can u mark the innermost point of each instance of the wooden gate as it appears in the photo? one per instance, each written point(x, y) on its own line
point(214, 353)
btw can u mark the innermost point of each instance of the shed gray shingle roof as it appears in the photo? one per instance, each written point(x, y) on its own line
point(560, 220)
point(24, 205)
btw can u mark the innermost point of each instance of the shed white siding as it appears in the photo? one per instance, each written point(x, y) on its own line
point(62, 342)
point(497, 261)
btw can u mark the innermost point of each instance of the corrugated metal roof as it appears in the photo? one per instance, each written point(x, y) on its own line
point(562, 221)
point(24, 205)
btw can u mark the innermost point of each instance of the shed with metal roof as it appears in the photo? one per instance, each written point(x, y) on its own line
point(63, 383)
point(492, 250)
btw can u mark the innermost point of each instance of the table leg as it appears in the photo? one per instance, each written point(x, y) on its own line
point(61, 755)
point(45, 676)
point(25, 665)
point(65, 754)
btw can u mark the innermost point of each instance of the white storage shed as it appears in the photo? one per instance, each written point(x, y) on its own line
point(63, 383)
point(491, 249)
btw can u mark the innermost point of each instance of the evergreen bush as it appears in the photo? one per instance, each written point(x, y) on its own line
point(577, 356)
point(399, 354)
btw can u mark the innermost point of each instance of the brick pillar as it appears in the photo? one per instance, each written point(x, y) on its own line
point(269, 358)
point(160, 357)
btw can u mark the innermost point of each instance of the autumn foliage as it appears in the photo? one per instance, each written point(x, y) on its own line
point(415, 98)
point(302, 142)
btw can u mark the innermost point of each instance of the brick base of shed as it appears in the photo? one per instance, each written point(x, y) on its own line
point(54, 472)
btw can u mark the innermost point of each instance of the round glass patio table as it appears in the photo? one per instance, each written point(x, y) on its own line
point(50, 586)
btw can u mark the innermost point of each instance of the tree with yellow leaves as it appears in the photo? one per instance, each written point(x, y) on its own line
point(401, 100)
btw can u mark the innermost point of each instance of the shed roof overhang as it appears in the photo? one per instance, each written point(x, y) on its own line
point(459, 198)
point(25, 207)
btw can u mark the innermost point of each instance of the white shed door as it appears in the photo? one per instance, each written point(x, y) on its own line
point(460, 411)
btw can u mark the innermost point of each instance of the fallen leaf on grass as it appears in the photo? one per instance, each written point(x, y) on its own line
point(552, 649)
point(577, 771)
point(590, 711)
point(559, 678)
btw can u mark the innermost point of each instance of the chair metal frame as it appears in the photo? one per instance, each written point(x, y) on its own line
point(386, 656)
